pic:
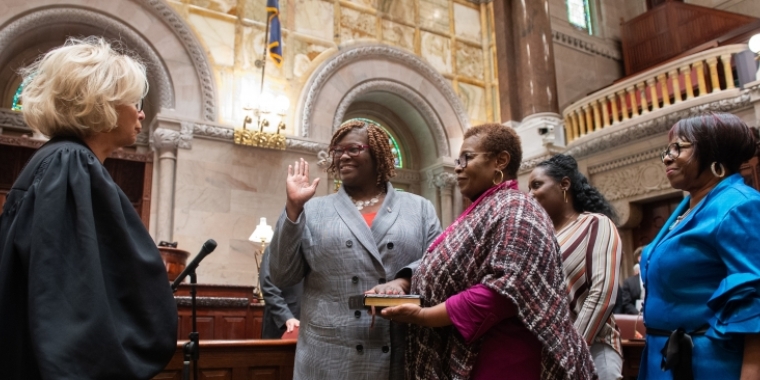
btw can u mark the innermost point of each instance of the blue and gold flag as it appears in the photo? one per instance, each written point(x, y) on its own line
point(275, 38)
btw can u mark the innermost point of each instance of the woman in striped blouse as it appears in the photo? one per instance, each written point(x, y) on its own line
point(591, 252)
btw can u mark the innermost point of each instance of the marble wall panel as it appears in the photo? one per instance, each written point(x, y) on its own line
point(315, 18)
point(474, 100)
point(434, 15)
point(304, 52)
point(398, 35)
point(253, 47)
point(257, 10)
point(580, 73)
point(398, 10)
point(356, 25)
point(467, 23)
point(218, 38)
point(470, 61)
point(223, 6)
point(436, 50)
point(365, 3)
point(744, 7)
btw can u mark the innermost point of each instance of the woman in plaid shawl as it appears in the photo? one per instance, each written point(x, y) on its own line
point(494, 299)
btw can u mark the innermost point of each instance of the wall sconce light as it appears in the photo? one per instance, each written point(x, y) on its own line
point(268, 111)
point(263, 235)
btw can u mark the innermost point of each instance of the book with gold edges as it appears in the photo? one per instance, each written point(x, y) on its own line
point(382, 300)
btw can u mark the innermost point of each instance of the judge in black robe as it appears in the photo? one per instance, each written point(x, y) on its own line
point(83, 290)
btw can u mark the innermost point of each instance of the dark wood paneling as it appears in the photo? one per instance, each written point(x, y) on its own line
point(225, 312)
point(237, 360)
point(671, 29)
point(654, 216)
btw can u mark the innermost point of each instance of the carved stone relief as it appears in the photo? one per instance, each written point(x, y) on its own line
point(383, 52)
point(168, 138)
point(405, 92)
point(629, 182)
point(22, 26)
point(443, 180)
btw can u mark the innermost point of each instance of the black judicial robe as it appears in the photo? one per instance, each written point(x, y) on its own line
point(83, 290)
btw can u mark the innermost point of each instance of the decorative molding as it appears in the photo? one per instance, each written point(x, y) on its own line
point(630, 160)
point(213, 132)
point(628, 182)
point(480, 1)
point(28, 142)
point(407, 176)
point(577, 43)
point(24, 141)
point(13, 120)
point(18, 29)
point(307, 146)
point(528, 165)
point(194, 49)
point(419, 103)
point(212, 301)
point(443, 180)
point(381, 52)
point(651, 127)
point(168, 138)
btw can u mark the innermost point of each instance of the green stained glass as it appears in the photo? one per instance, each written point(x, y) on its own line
point(16, 106)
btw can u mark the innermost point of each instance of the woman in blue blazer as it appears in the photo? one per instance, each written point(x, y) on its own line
point(702, 271)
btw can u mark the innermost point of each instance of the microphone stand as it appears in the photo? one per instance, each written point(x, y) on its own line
point(191, 349)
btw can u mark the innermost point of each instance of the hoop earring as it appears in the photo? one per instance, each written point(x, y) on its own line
point(501, 177)
point(564, 195)
point(715, 172)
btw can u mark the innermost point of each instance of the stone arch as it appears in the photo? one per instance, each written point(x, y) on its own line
point(358, 71)
point(168, 47)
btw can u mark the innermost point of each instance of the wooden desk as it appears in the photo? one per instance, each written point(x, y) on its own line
point(224, 312)
point(257, 359)
point(632, 350)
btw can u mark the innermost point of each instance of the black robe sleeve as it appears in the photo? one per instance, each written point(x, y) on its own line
point(83, 291)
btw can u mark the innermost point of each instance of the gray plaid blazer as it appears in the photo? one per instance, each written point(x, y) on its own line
point(331, 247)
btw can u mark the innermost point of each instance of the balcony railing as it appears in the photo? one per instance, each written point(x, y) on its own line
point(691, 77)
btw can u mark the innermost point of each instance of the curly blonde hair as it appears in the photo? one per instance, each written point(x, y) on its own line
point(379, 149)
point(74, 89)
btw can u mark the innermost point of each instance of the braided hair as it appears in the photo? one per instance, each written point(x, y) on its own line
point(379, 149)
point(586, 198)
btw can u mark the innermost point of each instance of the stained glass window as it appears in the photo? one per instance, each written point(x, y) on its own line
point(579, 14)
point(16, 106)
point(395, 148)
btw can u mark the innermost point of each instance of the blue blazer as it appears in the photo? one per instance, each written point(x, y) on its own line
point(706, 271)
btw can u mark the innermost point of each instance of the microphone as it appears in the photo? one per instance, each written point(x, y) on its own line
point(208, 247)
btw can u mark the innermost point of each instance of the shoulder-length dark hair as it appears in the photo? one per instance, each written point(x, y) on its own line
point(586, 198)
point(717, 137)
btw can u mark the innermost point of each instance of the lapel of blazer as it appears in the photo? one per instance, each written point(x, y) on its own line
point(356, 223)
point(386, 215)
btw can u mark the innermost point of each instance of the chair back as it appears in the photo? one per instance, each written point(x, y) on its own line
point(629, 324)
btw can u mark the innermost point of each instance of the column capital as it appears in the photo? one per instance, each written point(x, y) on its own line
point(172, 139)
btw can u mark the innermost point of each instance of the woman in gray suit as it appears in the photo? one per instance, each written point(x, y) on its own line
point(343, 244)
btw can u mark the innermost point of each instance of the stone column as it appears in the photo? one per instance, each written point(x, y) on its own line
point(527, 76)
point(165, 141)
point(445, 183)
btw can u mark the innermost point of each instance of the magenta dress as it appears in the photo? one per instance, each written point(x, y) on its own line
point(509, 350)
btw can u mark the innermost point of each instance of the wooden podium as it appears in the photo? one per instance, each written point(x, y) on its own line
point(229, 320)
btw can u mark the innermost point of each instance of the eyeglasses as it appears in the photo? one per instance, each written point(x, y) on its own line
point(674, 150)
point(352, 150)
point(465, 157)
point(139, 105)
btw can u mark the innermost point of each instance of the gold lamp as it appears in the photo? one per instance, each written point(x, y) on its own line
point(269, 111)
point(263, 235)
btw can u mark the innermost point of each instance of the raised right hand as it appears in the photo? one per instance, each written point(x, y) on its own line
point(299, 190)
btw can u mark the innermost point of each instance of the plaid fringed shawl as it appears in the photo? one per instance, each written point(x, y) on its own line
point(505, 241)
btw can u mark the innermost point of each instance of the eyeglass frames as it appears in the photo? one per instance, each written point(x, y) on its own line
point(674, 150)
point(352, 150)
point(466, 157)
point(139, 105)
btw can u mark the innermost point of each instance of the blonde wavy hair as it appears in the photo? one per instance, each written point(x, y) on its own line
point(74, 89)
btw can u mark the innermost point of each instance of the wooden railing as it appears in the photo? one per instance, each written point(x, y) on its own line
point(664, 86)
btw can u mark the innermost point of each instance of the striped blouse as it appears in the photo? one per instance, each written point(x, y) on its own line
point(591, 252)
